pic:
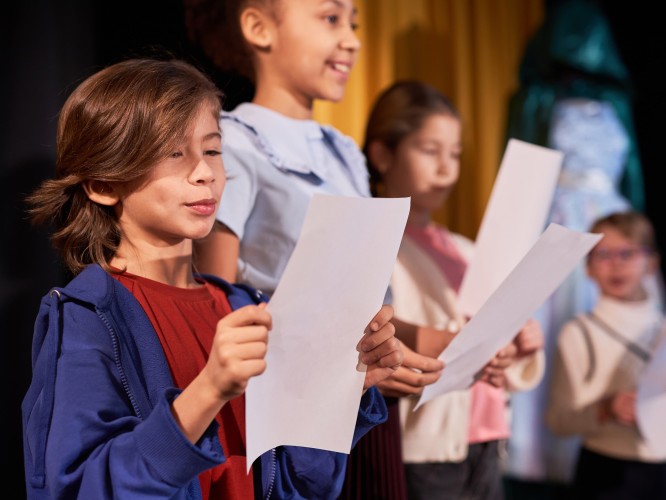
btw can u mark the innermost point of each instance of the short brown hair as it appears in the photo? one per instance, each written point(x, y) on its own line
point(633, 225)
point(400, 110)
point(114, 127)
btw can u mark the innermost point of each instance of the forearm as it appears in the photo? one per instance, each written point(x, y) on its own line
point(195, 408)
point(422, 339)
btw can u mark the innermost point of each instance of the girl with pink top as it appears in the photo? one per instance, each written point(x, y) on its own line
point(452, 444)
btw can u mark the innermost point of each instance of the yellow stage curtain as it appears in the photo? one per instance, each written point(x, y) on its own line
point(468, 49)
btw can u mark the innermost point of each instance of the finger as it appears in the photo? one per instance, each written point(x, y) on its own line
point(500, 363)
point(242, 334)
point(229, 355)
point(371, 340)
point(494, 370)
point(421, 362)
point(375, 375)
point(251, 350)
point(389, 348)
point(495, 380)
point(392, 359)
point(411, 378)
point(380, 319)
point(424, 364)
point(507, 351)
point(248, 315)
point(397, 389)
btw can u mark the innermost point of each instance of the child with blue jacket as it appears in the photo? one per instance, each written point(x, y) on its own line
point(139, 363)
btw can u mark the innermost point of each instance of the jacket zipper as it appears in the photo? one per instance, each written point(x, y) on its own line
point(116, 360)
point(271, 482)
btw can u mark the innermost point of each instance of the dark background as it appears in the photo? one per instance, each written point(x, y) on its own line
point(50, 46)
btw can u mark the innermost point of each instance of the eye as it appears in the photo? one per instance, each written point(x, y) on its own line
point(628, 254)
point(602, 255)
point(212, 152)
point(176, 154)
point(429, 151)
point(332, 19)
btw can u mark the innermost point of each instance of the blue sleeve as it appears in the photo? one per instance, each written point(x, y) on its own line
point(304, 473)
point(373, 411)
point(96, 446)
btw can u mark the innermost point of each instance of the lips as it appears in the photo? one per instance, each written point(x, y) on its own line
point(341, 67)
point(203, 207)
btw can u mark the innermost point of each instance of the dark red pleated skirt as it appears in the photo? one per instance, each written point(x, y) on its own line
point(374, 468)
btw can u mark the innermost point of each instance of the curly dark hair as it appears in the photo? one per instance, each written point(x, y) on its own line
point(214, 25)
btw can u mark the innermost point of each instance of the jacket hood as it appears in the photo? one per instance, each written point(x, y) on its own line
point(575, 38)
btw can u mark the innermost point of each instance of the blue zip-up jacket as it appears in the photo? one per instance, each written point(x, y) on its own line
point(96, 418)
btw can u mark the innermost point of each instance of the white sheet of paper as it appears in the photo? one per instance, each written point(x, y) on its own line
point(513, 220)
point(537, 275)
point(651, 400)
point(332, 286)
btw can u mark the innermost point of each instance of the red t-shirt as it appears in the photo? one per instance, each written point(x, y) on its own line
point(185, 320)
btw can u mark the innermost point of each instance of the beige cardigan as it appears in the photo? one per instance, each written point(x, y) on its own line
point(438, 430)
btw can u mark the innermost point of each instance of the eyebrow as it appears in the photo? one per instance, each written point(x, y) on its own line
point(212, 135)
point(341, 5)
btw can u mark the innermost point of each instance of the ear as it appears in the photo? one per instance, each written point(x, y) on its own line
point(380, 156)
point(255, 25)
point(101, 192)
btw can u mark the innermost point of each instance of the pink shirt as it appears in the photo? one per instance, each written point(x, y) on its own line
point(488, 419)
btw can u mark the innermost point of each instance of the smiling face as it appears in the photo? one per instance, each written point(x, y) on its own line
point(178, 200)
point(312, 49)
point(425, 164)
point(618, 264)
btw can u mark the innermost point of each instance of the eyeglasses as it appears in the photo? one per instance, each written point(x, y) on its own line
point(620, 254)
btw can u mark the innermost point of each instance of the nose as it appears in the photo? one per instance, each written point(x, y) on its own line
point(443, 163)
point(350, 41)
point(203, 172)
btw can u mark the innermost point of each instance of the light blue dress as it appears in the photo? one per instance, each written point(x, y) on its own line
point(274, 166)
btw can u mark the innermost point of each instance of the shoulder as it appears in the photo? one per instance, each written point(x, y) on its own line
point(80, 315)
point(97, 293)
point(464, 244)
point(340, 138)
point(344, 144)
point(237, 133)
point(575, 334)
point(245, 142)
point(93, 285)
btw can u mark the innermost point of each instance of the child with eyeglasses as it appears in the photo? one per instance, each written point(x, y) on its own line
point(600, 355)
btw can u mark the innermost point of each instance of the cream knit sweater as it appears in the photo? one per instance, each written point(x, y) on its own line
point(438, 430)
point(587, 372)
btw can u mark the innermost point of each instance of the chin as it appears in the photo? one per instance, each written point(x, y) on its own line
point(198, 235)
point(334, 95)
